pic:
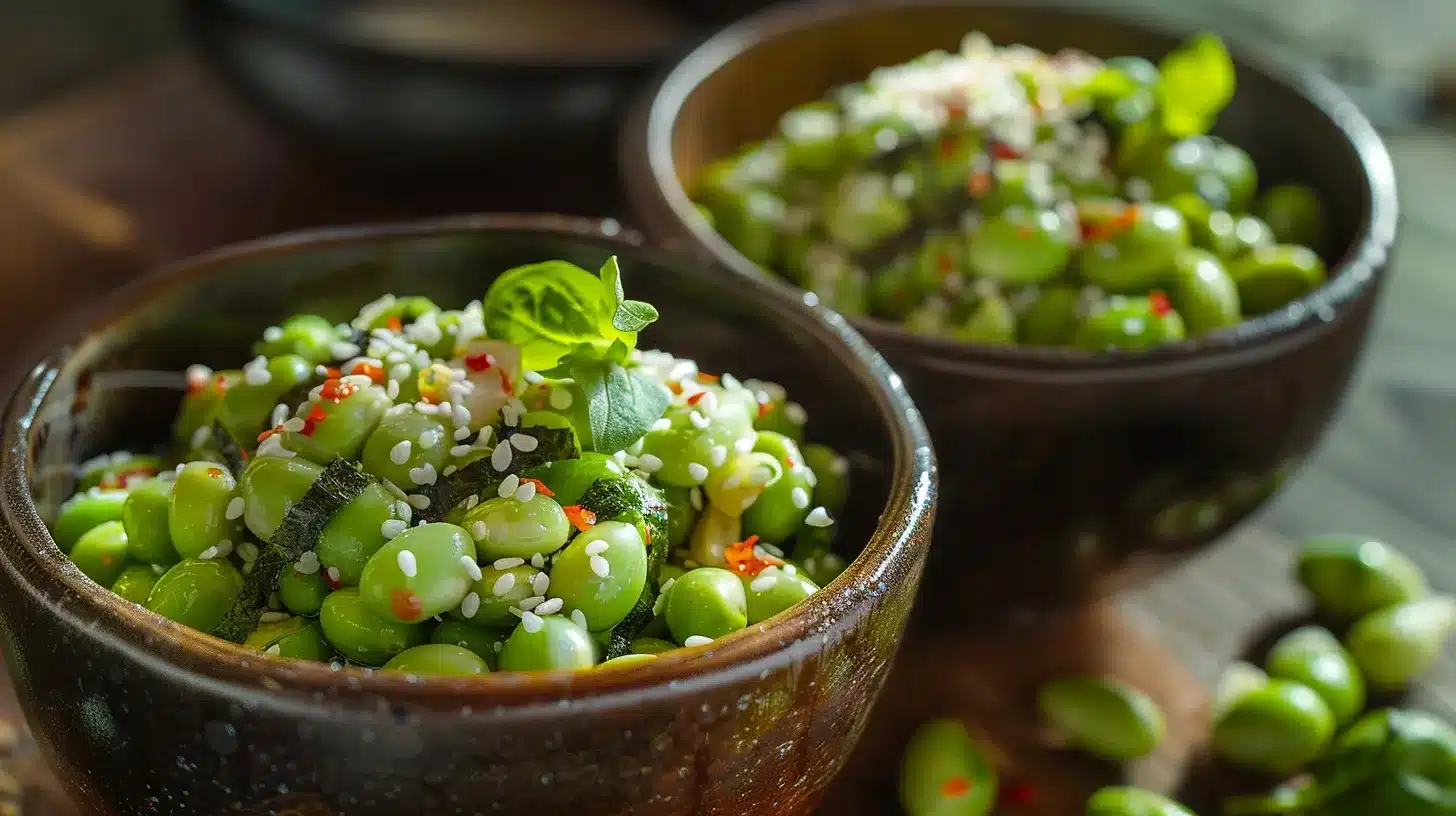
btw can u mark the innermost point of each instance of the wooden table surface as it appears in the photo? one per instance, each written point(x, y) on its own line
point(158, 165)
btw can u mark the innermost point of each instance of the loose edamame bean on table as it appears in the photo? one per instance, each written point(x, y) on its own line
point(1277, 728)
point(1396, 645)
point(944, 773)
point(1102, 716)
point(1015, 221)
point(1349, 576)
point(401, 491)
point(1124, 801)
point(1313, 656)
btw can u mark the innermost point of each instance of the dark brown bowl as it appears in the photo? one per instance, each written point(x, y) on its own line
point(141, 716)
point(1068, 473)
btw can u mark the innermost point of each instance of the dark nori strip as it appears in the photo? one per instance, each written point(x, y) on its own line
point(340, 483)
point(481, 478)
point(634, 501)
point(228, 450)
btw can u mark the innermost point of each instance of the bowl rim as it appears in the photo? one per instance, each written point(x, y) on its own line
point(658, 198)
point(900, 538)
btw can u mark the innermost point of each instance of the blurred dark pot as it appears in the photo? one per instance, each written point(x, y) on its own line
point(1069, 474)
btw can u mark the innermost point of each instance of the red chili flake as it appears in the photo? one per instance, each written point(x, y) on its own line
point(479, 362)
point(1001, 150)
point(1116, 225)
point(580, 517)
point(648, 528)
point(764, 408)
point(118, 479)
point(316, 414)
point(506, 387)
point(336, 389)
point(955, 787)
point(1017, 794)
point(742, 559)
point(394, 324)
point(333, 373)
point(955, 109)
point(946, 147)
point(329, 579)
point(675, 387)
point(277, 429)
point(1159, 303)
point(707, 378)
point(1023, 232)
point(540, 486)
point(945, 263)
point(696, 398)
point(979, 183)
point(370, 370)
point(790, 463)
point(215, 473)
point(405, 604)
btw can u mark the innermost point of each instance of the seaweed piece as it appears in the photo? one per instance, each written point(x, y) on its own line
point(481, 476)
point(228, 450)
point(340, 483)
point(632, 500)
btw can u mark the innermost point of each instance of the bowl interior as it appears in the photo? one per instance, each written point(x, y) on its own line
point(733, 90)
point(118, 387)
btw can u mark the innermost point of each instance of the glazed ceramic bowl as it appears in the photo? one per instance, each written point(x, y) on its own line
point(1070, 474)
point(139, 715)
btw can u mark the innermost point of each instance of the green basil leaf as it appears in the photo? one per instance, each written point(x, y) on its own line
point(1110, 83)
point(1197, 81)
point(622, 405)
point(547, 309)
point(627, 315)
point(611, 277)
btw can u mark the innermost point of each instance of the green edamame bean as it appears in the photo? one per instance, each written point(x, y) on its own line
point(751, 220)
point(1202, 292)
point(1311, 655)
point(353, 629)
point(340, 427)
point(1020, 246)
point(706, 602)
point(652, 646)
point(1277, 728)
point(682, 444)
point(295, 638)
point(943, 773)
point(497, 593)
point(1272, 277)
point(1137, 251)
point(308, 336)
point(1051, 319)
point(627, 661)
point(102, 552)
point(510, 528)
point(681, 515)
point(895, 290)
point(1129, 323)
point(438, 658)
point(481, 640)
point(409, 449)
point(135, 583)
point(302, 593)
point(1238, 679)
point(862, 210)
point(84, 512)
point(816, 559)
point(940, 261)
point(199, 410)
point(1017, 184)
point(197, 593)
point(418, 574)
point(569, 479)
point(119, 471)
point(774, 590)
point(878, 134)
point(601, 573)
point(248, 403)
point(770, 409)
point(1349, 576)
point(197, 512)
point(1395, 645)
point(1232, 237)
point(145, 516)
point(355, 533)
point(1102, 716)
point(778, 511)
point(1394, 761)
point(840, 284)
point(1294, 214)
point(831, 477)
point(1124, 801)
point(408, 309)
point(556, 644)
point(811, 136)
point(737, 485)
point(270, 486)
point(1216, 171)
point(992, 322)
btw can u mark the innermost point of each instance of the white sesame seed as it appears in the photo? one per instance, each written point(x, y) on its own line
point(343, 350)
point(596, 547)
point(234, 508)
point(693, 641)
point(649, 463)
point(280, 415)
point(272, 334)
point(273, 617)
point(508, 485)
point(530, 621)
point(663, 424)
point(248, 551)
point(207, 554)
point(333, 574)
point(477, 530)
point(201, 436)
point(695, 498)
point(699, 421)
point(400, 453)
point(561, 399)
point(256, 372)
point(424, 475)
point(508, 563)
point(471, 568)
point(550, 607)
point(578, 617)
point(399, 371)
point(403, 509)
point(461, 450)
point(470, 606)
point(500, 458)
point(540, 582)
point(818, 517)
point(393, 528)
point(427, 408)
point(744, 446)
point(800, 497)
point(308, 563)
point(529, 604)
point(419, 501)
point(462, 433)
point(430, 437)
point(796, 413)
point(600, 566)
point(764, 582)
point(471, 502)
point(697, 471)
point(505, 583)
point(526, 492)
point(772, 549)
point(538, 561)
point(407, 565)
point(524, 442)
point(392, 389)
point(718, 455)
point(293, 425)
point(532, 377)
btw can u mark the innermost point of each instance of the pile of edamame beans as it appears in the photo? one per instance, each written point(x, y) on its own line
point(1000, 195)
point(1301, 719)
point(441, 491)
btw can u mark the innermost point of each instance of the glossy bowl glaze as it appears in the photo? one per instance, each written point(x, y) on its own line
point(1068, 474)
point(139, 715)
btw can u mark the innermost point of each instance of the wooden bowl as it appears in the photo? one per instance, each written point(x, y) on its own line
point(1069, 473)
point(141, 715)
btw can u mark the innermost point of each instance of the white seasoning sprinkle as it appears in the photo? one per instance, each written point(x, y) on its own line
point(393, 528)
point(508, 563)
point(530, 621)
point(460, 415)
point(790, 570)
point(596, 547)
point(578, 617)
point(800, 497)
point(207, 554)
point(505, 583)
point(201, 436)
point(461, 450)
point(540, 582)
point(550, 607)
point(430, 437)
point(256, 372)
point(470, 606)
point(399, 371)
point(514, 611)
point(424, 475)
point(248, 551)
point(663, 424)
point(400, 453)
point(462, 433)
point(699, 421)
point(272, 334)
point(533, 377)
point(695, 498)
point(273, 617)
point(392, 390)
point(500, 458)
point(744, 446)
point(419, 501)
point(477, 530)
point(524, 442)
point(600, 566)
point(234, 508)
point(771, 549)
point(471, 568)
point(526, 492)
point(693, 641)
point(538, 561)
point(796, 413)
point(333, 574)
point(529, 604)
point(561, 399)
point(697, 471)
point(343, 350)
point(649, 463)
point(280, 415)
point(294, 425)
point(471, 502)
point(718, 455)
point(403, 509)
point(508, 485)
point(818, 517)
point(224, 547)
point(764, 582)
point(308, 563)
point(407, 565)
